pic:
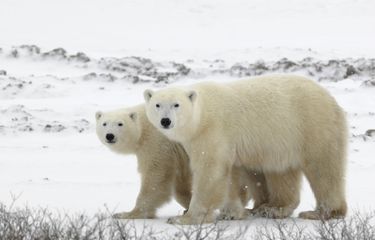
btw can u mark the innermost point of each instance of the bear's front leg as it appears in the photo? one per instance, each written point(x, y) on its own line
point(211, 177)
point(156, 189)
point(134, 214)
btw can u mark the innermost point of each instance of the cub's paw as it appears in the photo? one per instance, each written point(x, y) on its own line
point(132, 215)
point(189, 220)
point(181, 220)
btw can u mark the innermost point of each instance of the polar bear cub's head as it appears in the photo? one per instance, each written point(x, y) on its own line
point(119, 130)
point(171, 110)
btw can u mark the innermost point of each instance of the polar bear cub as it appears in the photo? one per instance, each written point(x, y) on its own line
point(163, 164)
point(282, 125)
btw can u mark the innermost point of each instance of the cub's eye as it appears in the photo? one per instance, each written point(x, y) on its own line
point(104, 124)
point(176, 105)
point(158, 105)
point(120, 124)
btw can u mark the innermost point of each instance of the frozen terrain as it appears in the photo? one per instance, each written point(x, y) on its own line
point(51, 157)
point(61, 61)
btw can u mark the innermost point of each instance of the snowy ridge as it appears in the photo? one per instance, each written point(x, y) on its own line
point(80, 78)
point(139, 69)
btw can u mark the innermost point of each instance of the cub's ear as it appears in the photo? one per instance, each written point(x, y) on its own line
point(133, 116)
point(98, 115)
point(147, 94)
point(192, 95)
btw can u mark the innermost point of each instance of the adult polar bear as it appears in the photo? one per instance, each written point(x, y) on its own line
point(282, 125)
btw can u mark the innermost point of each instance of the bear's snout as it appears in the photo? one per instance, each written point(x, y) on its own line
point(110, 137)
point(165, 122)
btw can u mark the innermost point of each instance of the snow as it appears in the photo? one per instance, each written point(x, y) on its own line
point(50, 155)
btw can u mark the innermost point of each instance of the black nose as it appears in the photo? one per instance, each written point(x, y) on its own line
point(109, 137)
point(165, 122)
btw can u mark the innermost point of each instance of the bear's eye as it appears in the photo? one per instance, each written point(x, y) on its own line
point(120, 124)
point(176, 105)
point(158, 105)
point(104, 124)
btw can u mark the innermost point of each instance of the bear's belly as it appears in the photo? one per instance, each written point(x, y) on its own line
point(268, 161)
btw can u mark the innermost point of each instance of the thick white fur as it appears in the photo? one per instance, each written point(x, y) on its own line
point(163, 164)
point(282, 125)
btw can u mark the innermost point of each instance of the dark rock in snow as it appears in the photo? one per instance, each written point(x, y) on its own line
point(350, 71)
point(370, 133)
point(31, 49)
point(90, 76)
point(57, 52)
point(56, 127)
point(80, 57)
point(369, 83)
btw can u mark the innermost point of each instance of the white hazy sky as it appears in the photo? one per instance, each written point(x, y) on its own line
point(210, 26)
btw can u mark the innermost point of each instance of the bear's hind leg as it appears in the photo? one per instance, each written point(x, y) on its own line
point(284, 194)
point(327, 182)
point(183, 194)
point(257, 188)
point(237, 197)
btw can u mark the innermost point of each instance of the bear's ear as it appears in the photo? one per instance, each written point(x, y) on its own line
point(192, 95)
point(98, 115)
point(147, 94)
point(133, 116)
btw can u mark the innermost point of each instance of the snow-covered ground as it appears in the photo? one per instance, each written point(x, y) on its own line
point(101, 55)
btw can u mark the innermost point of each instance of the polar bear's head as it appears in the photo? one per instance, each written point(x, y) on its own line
point(118, 130)
point(172, 110)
